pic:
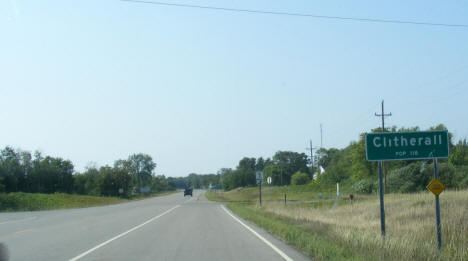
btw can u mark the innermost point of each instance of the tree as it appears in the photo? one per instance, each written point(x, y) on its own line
point(91, 186)
point(247, 168)
point(79, 181)
point(194, 180)
point(159, 183)
point(171, 184)
point(289, 163)
point(326, 156)
point(55, 175)
point(231, 179)
point(106, 182)
point(34, 178)
point(273, 171)
point(140, 166)
point(11, 170)
point(260, 165)
point(361, 168)
point(26, 164)
point(459, 154)
point(122, 180)
point(2, 187)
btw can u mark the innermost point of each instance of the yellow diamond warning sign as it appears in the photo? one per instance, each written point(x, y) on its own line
point(435, 186)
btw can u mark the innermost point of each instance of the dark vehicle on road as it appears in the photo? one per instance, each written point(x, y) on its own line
point(188, 191)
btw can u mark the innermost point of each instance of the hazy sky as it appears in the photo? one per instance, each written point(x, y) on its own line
point(200, 89)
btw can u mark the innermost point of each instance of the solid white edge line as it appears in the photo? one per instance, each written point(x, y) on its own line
point(122, 234)
point(277, 250)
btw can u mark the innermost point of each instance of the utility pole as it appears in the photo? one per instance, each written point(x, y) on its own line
point(321, 139)
point(383, 115)
point(311, 157)
point(381, 188)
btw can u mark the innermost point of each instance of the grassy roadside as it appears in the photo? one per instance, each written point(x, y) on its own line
point(37, 201)
point(328, 230)
point(294, 193)
point(298, 193)
point(312, 244)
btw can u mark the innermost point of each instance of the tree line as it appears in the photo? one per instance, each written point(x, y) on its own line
point(20, 171)
point(350, 167)
point(285, 168)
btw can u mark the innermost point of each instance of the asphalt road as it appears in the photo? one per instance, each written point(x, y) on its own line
point(163, 228)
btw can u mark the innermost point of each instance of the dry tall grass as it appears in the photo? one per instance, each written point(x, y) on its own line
point(410, 220)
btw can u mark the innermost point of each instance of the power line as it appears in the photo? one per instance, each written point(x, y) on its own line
point(422, 85)
point(256, 11)
point(355, 121)
point(311, 148)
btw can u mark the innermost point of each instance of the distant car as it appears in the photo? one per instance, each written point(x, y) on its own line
point(188, 191)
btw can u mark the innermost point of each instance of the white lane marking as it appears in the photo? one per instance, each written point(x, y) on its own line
point(123, 234)
point(18, 220)
point(277, 250)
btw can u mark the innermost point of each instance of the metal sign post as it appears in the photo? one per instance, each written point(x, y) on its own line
point(269, 193)
point(382, 207)
point(269, 182)
point(439, 237)
point(436, 187)
point(260, 193)
point(259, 177)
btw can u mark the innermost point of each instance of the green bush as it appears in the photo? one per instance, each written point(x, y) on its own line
point(405, 179)
point(415, 177)
point(411, 178)
point(299, 178)
point(364, 186)
point(460, 178)
point(464, 183)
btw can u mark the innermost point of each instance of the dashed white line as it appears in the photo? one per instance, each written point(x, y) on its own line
point(277, 250)
point(122, 234)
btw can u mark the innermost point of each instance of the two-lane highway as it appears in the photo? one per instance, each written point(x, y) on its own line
point(163, 228)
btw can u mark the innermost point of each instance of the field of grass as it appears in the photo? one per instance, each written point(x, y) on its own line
point(322, 227)
point(37, 201)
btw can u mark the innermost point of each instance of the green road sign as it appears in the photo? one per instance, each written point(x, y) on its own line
point(406, 145)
